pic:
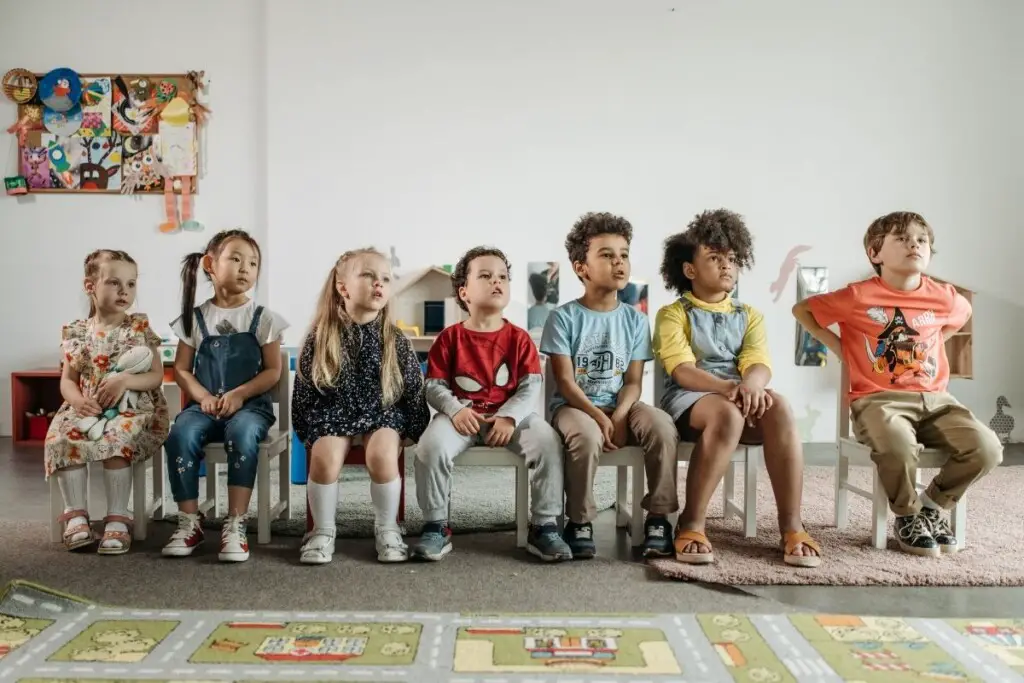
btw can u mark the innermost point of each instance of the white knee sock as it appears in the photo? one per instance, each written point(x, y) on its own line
point(73, 484)
point(118, 485)
point(385, 502)
point(323, 504)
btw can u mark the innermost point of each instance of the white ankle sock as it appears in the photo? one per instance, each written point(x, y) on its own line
point(323, 504)
point(73, 484)
point(385, 502)
point(928, 502)
point(118, 485)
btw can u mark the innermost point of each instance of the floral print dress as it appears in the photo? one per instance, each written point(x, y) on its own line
point(134, 435)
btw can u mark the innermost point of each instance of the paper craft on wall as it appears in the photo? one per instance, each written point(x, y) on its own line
point(178, 148)
point(789, 264)
point(66, 156)
point(60, 89)
point(139, 170)
point(810, 351)
point(63, 123)
point(20, 85)
point(543, 283)
point(35, 166)
point(97, 100)
point(134, 110)
point(102, 169)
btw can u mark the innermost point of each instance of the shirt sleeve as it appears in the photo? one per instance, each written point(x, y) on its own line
point(438, 390)
point(832, 307)
point(271, 328)
point(671, 338)
point(960, 312)
point(755, 343)
point(528, 391)
point(557, 336)
point(642, 341)
point(179, 332)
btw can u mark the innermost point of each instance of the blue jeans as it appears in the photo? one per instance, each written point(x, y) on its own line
point(193, 429)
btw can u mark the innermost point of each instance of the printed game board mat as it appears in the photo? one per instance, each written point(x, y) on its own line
point(46, 637)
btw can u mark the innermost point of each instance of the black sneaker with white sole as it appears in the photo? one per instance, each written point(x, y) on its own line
point(941, 531)
point(914, 535)
point(580, 538)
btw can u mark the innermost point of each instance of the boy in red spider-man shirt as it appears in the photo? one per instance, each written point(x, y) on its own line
point(484, 380)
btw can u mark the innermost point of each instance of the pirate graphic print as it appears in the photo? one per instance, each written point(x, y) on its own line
point(899, 349)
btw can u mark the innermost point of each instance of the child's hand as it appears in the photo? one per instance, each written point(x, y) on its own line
point(229, 404)
point(500, 432)
point(730, 389)
point(607, 427)
point(87, 407)
point(110, 390)
point(467, 422)
point(753, 401)
point(620, 428)
point(210, 405)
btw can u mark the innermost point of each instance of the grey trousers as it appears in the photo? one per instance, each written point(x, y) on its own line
point(534, 439)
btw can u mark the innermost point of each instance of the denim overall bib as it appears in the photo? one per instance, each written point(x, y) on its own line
point(222, 363)
point(716, 340)
point(227, 361)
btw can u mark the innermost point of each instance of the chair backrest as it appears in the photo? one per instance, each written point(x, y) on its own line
point(549, 388)
point(843, 403)
point(280, 393)
point(659, 382)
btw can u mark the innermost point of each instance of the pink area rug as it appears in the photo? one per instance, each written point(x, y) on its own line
point(995, 517)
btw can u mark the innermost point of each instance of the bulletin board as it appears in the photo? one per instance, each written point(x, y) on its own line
point(123, 133)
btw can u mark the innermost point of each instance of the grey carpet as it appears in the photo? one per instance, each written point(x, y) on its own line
point(483, 499)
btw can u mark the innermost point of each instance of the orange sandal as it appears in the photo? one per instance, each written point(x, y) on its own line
point(90, 537)
point(789, 543)
point(124, 538)
point(685, 538)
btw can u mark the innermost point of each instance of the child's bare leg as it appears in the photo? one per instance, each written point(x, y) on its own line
point(382, 449)
point(784, 459)
point(720, 425)
point(325, 461)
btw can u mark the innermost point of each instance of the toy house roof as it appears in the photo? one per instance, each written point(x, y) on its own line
point(407, 280)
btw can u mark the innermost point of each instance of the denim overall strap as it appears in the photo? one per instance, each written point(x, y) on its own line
point(255, 325)
point(197, 315)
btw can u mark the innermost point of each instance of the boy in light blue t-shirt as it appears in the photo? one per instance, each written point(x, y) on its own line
point(598, 347)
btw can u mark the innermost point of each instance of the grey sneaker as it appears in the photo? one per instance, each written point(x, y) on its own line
point(941, 531)
point(545, 542)
point(435, 542)
point(914, 534)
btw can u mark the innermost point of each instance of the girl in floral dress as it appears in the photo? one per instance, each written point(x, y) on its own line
point(91, 351)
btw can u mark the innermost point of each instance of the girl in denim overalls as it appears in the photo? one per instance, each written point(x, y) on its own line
point(228, 359)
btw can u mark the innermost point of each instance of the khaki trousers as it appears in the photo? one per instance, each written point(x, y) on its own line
point(650, 428)
point(897, 425)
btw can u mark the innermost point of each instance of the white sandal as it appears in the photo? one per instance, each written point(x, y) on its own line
point(317, 546)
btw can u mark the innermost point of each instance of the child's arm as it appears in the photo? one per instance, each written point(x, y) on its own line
point(183, 360)
point(959, 314)
point(85, 407)
point(632, 383)
point(672, 347)
point(803, 314)
point(565, 380)
point(438, 391)
point(526, 399)
point(112, 387)
point(754, 361)
point(269, 376)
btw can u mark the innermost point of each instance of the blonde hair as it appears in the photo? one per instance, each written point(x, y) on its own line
point(332, 324)
point(92, 268)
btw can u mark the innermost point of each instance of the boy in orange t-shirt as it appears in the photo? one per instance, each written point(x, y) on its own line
point(892, 330)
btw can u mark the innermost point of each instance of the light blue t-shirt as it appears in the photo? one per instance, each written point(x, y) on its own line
point(601, 345)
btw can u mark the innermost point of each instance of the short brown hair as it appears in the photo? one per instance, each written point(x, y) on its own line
point(895, 223)
point(461, 272)
point(589, 226)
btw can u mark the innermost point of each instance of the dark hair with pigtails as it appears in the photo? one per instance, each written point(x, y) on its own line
point(190, 265)
point(92, 268)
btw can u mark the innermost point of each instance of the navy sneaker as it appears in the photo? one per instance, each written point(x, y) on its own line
point(658, 538)
point(914, 535)
point(580, 538)
point(941, 531)
point(545, 543)
point(435, 542)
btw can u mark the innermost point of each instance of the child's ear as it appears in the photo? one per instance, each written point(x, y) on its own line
point(580, 269)
point(689, 271)
point(89, 285)
point(207, 263)
point(339, 286)
point(874, 256)
point(463, 295)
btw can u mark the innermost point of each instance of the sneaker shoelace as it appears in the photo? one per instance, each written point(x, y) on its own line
point(187, 526)
point(584, 533)
point(317, 539)
point(656, 531)
point(233, 529)
point(918, 527)
point(939, 526)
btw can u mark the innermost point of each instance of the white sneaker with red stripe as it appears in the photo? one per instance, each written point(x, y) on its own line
point(188, 536)
point(234, 546)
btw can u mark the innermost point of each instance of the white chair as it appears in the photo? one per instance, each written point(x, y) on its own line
point(852, 452)
point(277, 444)
point(749, 455)
point(627, 515)
point(138, 502)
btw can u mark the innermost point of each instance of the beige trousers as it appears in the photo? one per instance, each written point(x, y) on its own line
point(897, 425)
point(650, 428)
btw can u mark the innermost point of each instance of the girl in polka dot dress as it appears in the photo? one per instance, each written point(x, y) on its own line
point(358, 376)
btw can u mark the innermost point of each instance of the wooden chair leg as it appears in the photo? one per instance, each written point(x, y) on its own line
point(636, 515)
point(56, 510)
point(262, 497)
point(958, 520)
point(284, 482)
point(522, 505)
point(842, 512)
point(750, 493)
point(879, 513)
point(728, 489)
point(139, 500)
point(621, 509)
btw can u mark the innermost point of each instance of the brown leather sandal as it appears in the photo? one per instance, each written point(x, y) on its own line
point(789, 543)
point(685, 538)
point(90, 537)
point(122, 537)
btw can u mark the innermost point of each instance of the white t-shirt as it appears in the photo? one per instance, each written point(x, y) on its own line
point(230, 320)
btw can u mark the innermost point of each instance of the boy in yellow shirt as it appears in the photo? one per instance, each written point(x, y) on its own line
point(715, 354)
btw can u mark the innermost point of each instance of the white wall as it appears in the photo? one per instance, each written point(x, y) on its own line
point(438, 126)
point(456, 123)
point(45, 238)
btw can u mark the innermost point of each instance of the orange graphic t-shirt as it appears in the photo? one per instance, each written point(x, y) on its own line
point(892, 339)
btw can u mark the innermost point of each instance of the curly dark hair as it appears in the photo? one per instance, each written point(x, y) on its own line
point(721, 230)
point(461, 272)
point(589, 226)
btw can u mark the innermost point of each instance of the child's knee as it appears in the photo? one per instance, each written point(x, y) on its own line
point(185, 437)
point(725, 423)
point(989, 451)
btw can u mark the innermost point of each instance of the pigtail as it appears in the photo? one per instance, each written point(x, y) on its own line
point(189, 267)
